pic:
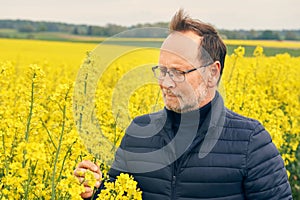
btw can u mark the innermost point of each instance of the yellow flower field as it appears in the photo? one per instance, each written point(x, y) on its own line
point(40, 123)
point(265, 43)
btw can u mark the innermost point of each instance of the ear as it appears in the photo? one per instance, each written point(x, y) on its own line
point(214, 74)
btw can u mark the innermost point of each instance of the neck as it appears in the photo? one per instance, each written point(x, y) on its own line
point(192, 118)
point(209, 97)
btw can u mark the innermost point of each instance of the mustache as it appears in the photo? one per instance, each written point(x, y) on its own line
point(170, 92)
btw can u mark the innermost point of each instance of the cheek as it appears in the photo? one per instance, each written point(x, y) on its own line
point(188, 91)
point(197, 87)
point(198, 78)
point(194, 83)
point(202, 90)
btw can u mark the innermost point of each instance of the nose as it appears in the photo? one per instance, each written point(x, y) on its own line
point(167, 82)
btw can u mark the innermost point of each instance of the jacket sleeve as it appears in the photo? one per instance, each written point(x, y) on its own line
point(266, 176)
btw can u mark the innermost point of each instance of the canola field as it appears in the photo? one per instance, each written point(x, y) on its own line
point(53, 105)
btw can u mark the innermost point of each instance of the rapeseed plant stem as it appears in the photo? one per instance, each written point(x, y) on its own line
point(53, 184)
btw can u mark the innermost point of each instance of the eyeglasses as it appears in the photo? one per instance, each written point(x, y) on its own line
point(160, 72)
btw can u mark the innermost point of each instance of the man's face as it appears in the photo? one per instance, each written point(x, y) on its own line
point(191, 93)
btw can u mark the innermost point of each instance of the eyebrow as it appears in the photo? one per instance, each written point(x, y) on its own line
point(175, 66)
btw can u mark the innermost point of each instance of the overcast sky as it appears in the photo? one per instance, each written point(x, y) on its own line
point(229, 14)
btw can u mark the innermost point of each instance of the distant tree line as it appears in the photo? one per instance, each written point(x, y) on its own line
point(261, 34)
point(27, 26)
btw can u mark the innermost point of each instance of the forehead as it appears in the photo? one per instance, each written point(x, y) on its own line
point(182, 46)
point(172, 60)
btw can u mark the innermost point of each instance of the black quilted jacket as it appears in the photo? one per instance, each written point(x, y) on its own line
point(228, 157)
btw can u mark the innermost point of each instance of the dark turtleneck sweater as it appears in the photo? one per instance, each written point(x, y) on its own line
point(185, 128)
point(193, 116)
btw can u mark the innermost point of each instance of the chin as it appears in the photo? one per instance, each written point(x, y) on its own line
point(179, 109)
point(172, 106)
point(174, 109)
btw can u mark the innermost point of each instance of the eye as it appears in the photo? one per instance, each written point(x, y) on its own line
point(163, 69)
point(176, 72)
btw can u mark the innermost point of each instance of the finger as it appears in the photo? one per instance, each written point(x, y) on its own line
point(86, 184)
point(98, 176)
point(98, 171)
point(87, 164)
point(80, 172)
point(81, 180)
point(88, 192)
point(98, 183)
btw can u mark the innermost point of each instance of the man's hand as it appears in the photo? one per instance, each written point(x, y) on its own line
point(80, 171)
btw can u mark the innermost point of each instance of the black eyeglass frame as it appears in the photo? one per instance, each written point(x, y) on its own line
point(181, 72)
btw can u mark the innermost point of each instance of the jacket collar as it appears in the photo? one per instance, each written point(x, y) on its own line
point(189, 134)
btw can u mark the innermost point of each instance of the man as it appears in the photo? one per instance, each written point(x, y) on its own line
point(195, 148)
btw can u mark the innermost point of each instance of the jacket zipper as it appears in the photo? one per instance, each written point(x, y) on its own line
point(173, 182)
point(173, 187)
